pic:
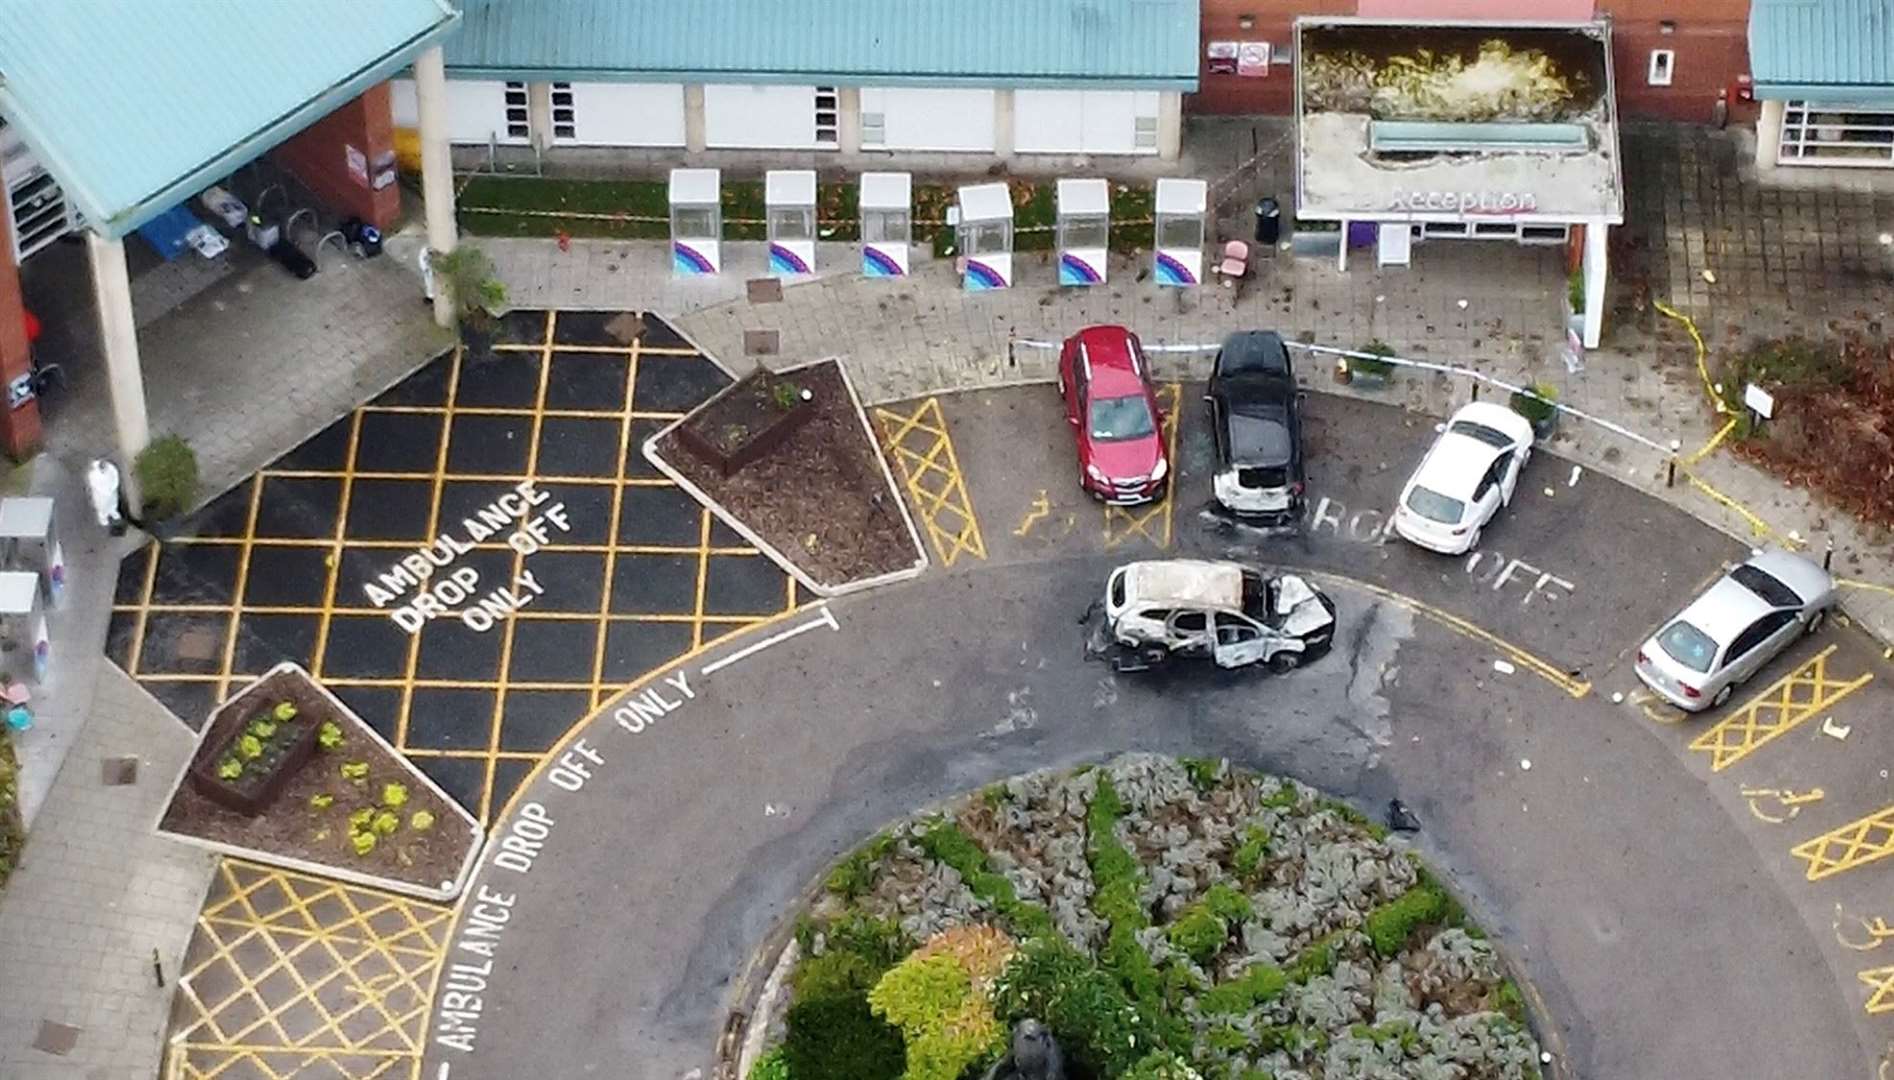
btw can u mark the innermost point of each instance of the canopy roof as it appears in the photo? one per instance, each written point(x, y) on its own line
point(134, 105)
point(1826, 50)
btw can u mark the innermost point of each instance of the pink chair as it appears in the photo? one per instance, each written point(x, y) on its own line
point(1236, 261)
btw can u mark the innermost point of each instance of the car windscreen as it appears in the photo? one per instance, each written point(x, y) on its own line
point(1254, 352)
point(1262, 477)
point(1259, 438)
point(1687, 645)
point(1115, 419)
point(1492, 437)
point(1772, 590)
point(1434, 506)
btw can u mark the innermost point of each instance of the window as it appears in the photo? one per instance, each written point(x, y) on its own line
point(518, 125)
point(1230, 632)
point(828, 113)
point(1663, 64)
point(1773, 592)
point(1190, 622)
point(1180, 232)
point(564, 112)
point(1436, 507)
point(1759, 632)
point(1144, 135)
point(790, 223)
point(886, 227)
point(1117, 419)
point(693, 223)
point(988, 238)
point(1089, 232)
point(1836, 133)
point(1687, 645)
point(874, 129)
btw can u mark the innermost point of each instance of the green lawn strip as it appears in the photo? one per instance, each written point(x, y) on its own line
point(1116, 882)
point(948, 843)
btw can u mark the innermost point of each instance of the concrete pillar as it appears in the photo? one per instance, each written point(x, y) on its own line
point(539, 114)
point(19, 426)
point(1170, 125)
point(437, 166)
point(1594, 270)
point(1341, 255)
point(118, 338)
point(695, 140)
point(1768, 134)
point(1003, 123)
point(849, 133)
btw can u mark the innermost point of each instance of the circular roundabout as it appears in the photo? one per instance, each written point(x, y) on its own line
point(634, 906)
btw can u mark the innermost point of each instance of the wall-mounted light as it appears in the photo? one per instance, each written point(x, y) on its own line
point(1246, 22)
point(1666, 27)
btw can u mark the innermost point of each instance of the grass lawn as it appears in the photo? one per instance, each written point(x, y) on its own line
point(537, 206)
point(11, 834)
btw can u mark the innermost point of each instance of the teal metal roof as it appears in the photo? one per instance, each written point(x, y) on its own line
point(1145, 43)
point(1834, 50)
point(135, 105)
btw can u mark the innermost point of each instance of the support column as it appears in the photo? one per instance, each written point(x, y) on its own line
point(539, 114)
point(1768, 134)
point(1594, 269)
point(437, 167)
point(1003, 123)
point(1170, 125)
point(1341, 255)
point(695, 139)
point(118, 338)
point(849, 123)
point(19, 426)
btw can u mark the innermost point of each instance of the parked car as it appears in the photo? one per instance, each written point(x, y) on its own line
point(1112, 407)
point(1255, 410)
point(1738, 625)
point(1231, 614)
point(1467, 475)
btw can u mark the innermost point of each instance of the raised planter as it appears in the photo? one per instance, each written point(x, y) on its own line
point(262, 737)
point(754, 416)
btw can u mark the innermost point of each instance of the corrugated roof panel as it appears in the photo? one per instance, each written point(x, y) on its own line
point(1831, 46)
point(130, 103)
point(854, 42)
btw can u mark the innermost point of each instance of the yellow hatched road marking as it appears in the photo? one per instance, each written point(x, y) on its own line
point(1881, 979)
point(1153, 520)
point(945, 509)
point(1857, 843)
point(1776, 711)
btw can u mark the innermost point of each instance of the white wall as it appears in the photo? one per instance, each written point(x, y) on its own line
point(627, 114)
point(759, 117)
point(476, 112)
point(930, 119)
point(402, 103)
point(1081, 121)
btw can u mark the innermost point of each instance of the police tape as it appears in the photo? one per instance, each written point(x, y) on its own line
point(1423, 365)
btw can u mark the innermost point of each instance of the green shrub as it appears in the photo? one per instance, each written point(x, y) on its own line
point(1285, 797)
point(467, 274)
point(949, 843)
point(1373, 364)
point(1293, 1038)
point(773, 1065)
point(946, 1025)
point(855, 876)
point(1537, 409)
point(1234, 997)
point(879, 941)
point(1508, 1000)
point(1099, 1027)
point(1198, 933)
point(1229, 904)
point(840, 1038)
point(1251, 853)
point(12, 832)
point(167, 477)
point(1317, 958)
point(833, 974)
point(1393, 923)
point(1204, 773)
point(1575, 291)
point(1227, 1038)
point(1163, 1066)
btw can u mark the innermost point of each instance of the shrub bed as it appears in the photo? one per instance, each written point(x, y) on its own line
point(1166, 920)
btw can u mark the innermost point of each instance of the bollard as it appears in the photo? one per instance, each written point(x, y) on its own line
point(157, 968)
point(1476, 389)
point(1828, 558)
point(1670, 473)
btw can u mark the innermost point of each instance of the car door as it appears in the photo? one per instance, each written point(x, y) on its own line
point(1486, 493)
point(1756, 644)
point(1072, 385)
point(1189, 631)
point(1239, 641)
point(1510, 466)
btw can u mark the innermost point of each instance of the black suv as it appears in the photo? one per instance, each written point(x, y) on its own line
point(1256, 412)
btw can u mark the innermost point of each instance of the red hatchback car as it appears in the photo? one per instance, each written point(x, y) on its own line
point(1112, 407)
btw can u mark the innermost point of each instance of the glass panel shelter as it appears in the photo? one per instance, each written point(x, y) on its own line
point(789, 207)
point(1179, 247)
point(1084, 225)
point(887, 210)
point(984, 236)
point(696, 221)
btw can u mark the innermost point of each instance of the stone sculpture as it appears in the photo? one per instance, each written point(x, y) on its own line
point(1034, 1055)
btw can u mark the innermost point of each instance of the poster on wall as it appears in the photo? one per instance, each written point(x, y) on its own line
point(1222, 57)
point(1252, 59)
point(358, 164)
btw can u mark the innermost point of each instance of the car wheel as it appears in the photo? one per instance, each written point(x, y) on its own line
point(1722, 696)
point(1284, 662)
point(1816, 620)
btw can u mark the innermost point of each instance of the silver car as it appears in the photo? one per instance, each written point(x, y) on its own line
point(1739, 624)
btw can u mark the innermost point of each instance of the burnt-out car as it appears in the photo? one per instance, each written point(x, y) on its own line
point(1233, 615)
point(1256, 414)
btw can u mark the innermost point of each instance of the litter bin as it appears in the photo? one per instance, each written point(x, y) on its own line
point(1268, 221)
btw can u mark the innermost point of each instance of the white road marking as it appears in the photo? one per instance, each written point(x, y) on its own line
point(442, 1074)
point(1834, 730)
point(827, 618)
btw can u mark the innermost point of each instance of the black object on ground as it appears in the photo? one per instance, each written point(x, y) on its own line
point(1400, 818)
point(291, 258)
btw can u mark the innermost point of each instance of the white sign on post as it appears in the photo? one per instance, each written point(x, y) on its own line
point(1759, 401)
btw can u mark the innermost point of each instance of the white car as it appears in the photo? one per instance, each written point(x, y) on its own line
point(1467, 475)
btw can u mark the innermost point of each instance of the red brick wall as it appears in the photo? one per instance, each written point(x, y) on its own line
point(319, 158)
point(1709, 58)
point(19, 428)
point(1274, 21)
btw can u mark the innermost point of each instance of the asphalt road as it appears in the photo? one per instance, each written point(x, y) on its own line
point(1665, 925)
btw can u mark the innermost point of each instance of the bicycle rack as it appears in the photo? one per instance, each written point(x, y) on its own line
point(262, 199)
point(289, 225)
point(341, 245)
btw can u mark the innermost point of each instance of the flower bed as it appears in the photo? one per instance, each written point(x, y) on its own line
point(354, 808)
point(1162, 918)
point(12, 833)
point(753, 417)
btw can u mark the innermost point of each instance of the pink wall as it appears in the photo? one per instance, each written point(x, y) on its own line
point(1510, 10)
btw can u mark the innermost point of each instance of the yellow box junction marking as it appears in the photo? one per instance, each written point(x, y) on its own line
point(1776, 711)
point(1152, 520)
point(288, 971)
point(1857, 843)
point(930, 471)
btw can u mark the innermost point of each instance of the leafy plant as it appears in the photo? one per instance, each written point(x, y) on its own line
point(1232, 997)
point(363, 842)
point(249, 747)
point(467, 274)
point(285, 712)
point(1163, 1066)
point(1575, 291)
point(945, 1023)
point(262, 729)
point(421, 821)
point(1198, 933)
point(355, 772)
point(322, 800)
point(785, 395)
point(1116, 881)
point(773, 1065)
point(1095, 1021)
point(1285, 797)
point(1203, 772)
point(385, 823)
point(329, 736)
point(360, 819)
point(1535, 402)
point(1393, 923)
point(1317, 958)
point(1251, 852)
point(167, 476)
point(229, 768)
point(839, 1037)
point(855, 875)
point(1373, 363)
point(1228, 904)
point(948, 843)
point(394, 796)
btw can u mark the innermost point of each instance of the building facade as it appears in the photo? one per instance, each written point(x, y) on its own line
point(1825, 79)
